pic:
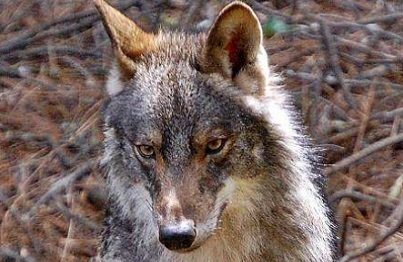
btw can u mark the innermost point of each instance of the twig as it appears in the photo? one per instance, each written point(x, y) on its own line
point(190, 14)
point(14, 73)
point(75, 217)
point(82, 25)
point(66, 247)
point(21, 41)
point(348, 161)
point(365, 119)
point(63, 183)
point(369, 247)
point(390, 203)
point(21, 219)
point(360, 62)
point(382, 18)
point(365, 83)
point(9, 72)
point(43, 141)
point(333, 60)
point(37, 52)
point(388, 115)
point(26, 38)
point(258, 6)
point(352, 25)
point(352, 82)
point(362, 48)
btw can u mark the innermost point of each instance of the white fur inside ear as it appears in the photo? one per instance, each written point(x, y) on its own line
point(114, 83)
point(258, 79)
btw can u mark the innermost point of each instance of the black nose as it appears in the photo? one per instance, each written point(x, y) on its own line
point(176, 237)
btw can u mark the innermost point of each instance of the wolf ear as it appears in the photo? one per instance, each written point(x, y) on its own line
point(234, 45)
point(128, 40)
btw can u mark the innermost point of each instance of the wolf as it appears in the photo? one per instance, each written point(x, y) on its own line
point(205, 158)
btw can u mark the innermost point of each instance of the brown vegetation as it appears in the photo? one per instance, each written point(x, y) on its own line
point(341, 60)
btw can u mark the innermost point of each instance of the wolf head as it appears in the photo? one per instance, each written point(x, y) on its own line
point(186, 140)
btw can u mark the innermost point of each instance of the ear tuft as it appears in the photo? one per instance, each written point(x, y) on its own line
point(128, 40)
point(233, 41)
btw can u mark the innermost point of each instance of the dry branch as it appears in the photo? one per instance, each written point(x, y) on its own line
point(348, 161)
point(372, 245)
point(29, 36)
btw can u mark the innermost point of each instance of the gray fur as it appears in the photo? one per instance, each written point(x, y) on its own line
point(257, 204)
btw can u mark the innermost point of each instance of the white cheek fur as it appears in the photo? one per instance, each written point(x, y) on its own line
point(114, 83)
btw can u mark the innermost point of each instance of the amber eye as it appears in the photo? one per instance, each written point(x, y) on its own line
point(146, 151)
point(215, 146)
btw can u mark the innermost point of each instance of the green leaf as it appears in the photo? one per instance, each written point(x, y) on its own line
point(273, 26)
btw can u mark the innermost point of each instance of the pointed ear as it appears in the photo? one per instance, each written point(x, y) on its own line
point(128, 40)
point(234, 44)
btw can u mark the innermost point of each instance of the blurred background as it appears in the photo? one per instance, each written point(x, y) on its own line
point(342, 60)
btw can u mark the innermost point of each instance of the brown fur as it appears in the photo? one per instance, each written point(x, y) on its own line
point(129, 41)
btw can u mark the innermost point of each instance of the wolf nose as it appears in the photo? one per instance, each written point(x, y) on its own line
point(177, 237)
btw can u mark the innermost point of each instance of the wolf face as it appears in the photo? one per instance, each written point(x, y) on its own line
point(197, 142)
point(181, 140)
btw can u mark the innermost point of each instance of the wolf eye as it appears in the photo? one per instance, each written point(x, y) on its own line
point(146, 151)
point(215, 146)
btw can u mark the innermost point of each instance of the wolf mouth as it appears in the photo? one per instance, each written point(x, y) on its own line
point(188, 250)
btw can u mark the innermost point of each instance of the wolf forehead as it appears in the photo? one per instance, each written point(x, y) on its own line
point(169, 89)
